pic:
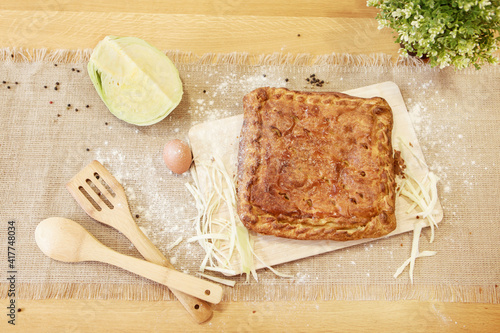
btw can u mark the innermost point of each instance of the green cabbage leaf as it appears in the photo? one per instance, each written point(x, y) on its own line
point(138, 83)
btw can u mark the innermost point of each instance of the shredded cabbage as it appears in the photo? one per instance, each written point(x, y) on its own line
point(423, 196)
point(219, 230)
point(219, 237)
point(174, 244)
point(227, 282)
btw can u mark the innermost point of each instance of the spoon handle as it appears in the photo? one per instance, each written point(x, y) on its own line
point(199, 309)
point(185, 283)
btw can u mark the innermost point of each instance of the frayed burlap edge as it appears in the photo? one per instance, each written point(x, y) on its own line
point(247, 292)
point(353, 61)
point(88, 291)
point(235, 58)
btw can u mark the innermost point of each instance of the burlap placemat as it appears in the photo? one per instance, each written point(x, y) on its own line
point(53, 124)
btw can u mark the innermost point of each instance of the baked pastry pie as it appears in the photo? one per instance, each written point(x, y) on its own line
point(316, 165)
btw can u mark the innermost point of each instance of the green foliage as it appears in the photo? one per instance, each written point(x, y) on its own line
point(459, 33)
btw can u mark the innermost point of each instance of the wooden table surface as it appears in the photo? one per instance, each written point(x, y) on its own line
point(253, 26)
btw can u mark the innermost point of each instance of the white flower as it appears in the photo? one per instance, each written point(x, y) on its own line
point(407, 12)
point(484, 3)
point(404, 36)
point(397, 13)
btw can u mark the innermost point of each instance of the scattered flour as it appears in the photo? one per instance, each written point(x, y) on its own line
point(302, 277)
point(165, 216)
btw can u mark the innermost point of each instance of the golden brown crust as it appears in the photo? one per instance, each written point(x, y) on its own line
point(316, 165)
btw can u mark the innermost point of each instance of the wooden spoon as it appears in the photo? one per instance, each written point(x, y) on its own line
point(65, 240)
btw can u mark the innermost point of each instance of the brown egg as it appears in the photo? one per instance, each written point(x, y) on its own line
point(177, 156)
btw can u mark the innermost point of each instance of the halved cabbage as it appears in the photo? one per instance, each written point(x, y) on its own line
point(138, 83)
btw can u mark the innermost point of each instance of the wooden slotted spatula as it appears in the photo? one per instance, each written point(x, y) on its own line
point(103, 198)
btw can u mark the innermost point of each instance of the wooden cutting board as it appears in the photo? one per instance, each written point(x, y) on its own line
point(221, 138)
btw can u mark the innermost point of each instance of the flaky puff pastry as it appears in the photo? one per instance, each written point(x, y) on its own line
point(316, 165)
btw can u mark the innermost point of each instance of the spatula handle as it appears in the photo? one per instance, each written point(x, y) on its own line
point(197, 308)
point(185, 283)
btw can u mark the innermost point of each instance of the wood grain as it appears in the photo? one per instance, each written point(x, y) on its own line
point(331, 316)
point(199, 34)
point(253, 26)
point(311, 8)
